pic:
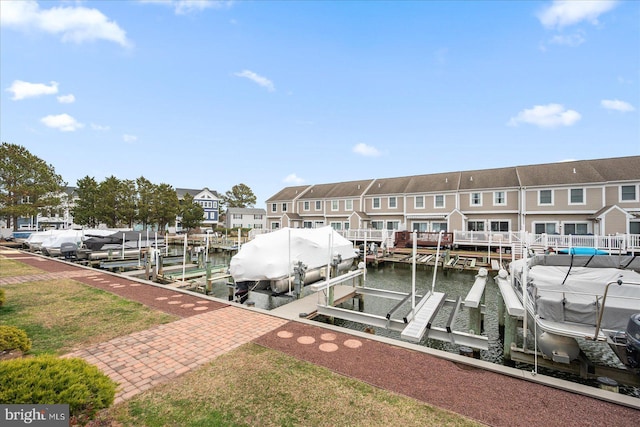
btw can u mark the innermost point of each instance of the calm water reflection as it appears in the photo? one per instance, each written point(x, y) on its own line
point(455, 284)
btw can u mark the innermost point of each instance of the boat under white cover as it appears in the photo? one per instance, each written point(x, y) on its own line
point(271, 257)
point(570, 290)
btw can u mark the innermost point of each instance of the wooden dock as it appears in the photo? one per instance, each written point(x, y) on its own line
point(307, 307)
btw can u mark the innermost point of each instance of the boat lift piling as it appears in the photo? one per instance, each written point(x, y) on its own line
point(418, 322)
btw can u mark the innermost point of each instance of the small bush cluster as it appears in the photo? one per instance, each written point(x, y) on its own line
point(3, 298)
point(12, 338)
point(47, 379)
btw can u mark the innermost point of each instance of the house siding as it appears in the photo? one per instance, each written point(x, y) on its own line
point(599, 182)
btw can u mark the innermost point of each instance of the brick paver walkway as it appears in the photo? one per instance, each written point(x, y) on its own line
point(144, 359)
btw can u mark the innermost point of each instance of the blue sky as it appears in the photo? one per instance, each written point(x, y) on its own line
point(278, 93)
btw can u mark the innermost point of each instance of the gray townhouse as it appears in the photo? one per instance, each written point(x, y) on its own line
point(253, 218)
point(584, 197)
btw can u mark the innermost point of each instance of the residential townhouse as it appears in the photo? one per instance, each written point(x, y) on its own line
point(600, 196)
point(253, 218)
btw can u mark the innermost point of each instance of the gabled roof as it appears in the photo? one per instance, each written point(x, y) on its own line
point(337, 190)
point(434, 182)
point(289, 193)
point(489, 178)
point(256, 211)
point(565, 173)
point(292, 216)
point(389, 186)
point(194, 192)
point(580, 172)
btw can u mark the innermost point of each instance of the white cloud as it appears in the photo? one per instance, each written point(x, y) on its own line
point(564, 13)
point(62, 122)
point(293, 179)
point(572, 40)
point(22, 90)
point(617, 105)
point(73, 23)
point(546, 116)
point(262, 81)
point(99, 127)
point(129, 138)
point(67, 99)
point(366, 150)
point(184, 7)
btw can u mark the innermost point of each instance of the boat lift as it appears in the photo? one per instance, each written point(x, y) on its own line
point(419, 321)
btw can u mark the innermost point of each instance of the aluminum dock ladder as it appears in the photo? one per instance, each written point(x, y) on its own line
point(424, 313)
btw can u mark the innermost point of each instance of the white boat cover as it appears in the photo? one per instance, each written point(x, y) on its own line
point(272, 255)
point(53, 239)
point(572, 293)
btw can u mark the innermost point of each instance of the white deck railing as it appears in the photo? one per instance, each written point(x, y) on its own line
point(625, 243)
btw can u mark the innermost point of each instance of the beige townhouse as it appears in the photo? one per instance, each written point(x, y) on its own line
point(583, 197)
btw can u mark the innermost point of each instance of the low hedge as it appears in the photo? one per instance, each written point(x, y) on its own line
point(3, 298)
point(12, 338)
point(49, 380)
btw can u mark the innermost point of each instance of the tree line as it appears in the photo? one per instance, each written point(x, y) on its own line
point(28, 186)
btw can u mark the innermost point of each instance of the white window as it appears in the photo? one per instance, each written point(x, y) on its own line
point(306, 205)
point(376, 203)
point(499, 226)
point(438, 201)
point(348, 205)
point(499, 198)
point(334, 205)
point(336, 225)
point(475, 199)
point(284, 207)
point(420, 226)
point(318, 205)
point(475, 226)
point(576, 196)
point(257, 216)
point(545, 227)
point(274, 207)
point(237, 216)
point(575, 228)
point(307, 224)
point(545, 197)
point(419, 202)
point(393, 203)
point(628, 193)
point(275, 225)
point(438, 226)
point(377, 225)
point(393, 225)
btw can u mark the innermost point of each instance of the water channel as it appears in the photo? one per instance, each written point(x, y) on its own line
point(398, 277)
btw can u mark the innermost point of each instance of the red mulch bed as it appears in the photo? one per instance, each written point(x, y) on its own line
point(488, 397)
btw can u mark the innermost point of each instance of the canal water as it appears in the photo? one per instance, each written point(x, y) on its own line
point(455, 283)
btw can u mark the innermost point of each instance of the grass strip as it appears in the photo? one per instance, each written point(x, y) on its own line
point(253, 385)
point(63, 314)
point(9, 268)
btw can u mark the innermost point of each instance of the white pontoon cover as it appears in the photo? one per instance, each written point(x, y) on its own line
point(272, 255)
point(565, 290)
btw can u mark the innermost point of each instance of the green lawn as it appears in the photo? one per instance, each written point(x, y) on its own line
point(256, 386)
point(63, 314)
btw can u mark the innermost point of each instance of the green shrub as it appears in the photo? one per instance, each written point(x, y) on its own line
point(3, 298)
point(49, 380)
point(12, 338)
